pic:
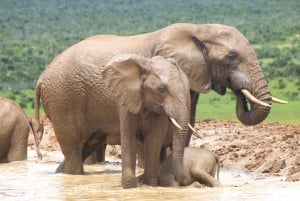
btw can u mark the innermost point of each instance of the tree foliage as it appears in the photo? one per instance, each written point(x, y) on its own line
point(33, 32)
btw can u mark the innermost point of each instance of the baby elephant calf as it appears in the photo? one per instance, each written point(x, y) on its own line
point(199, 165)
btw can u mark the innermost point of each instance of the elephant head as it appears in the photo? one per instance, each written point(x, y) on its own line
point(218, 57)
point(156, 85)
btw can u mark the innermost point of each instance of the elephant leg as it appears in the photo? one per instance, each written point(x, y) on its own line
point(93, 145)
point(129, 130)
point(97, 157)
point(60, 168)
point(194, 100)
point(4, 139)
point(91, 159)
point(100, 153)
point(72, 151)
point(18, 144)
point(204, 177)
point(17, 154)
point(165, 152)
point(166, 176)
point(72, 163)
point(154, 139)
point(140, 154)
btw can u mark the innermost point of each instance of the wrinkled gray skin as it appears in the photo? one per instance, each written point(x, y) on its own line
point(213, 56)
point(14, 131)
point(200, 165)
point(91, 103)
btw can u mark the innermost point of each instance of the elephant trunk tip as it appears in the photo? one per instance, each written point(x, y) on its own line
point(258, 111)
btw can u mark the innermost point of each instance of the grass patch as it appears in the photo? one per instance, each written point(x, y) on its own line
point(287, 114)
point(214, 106)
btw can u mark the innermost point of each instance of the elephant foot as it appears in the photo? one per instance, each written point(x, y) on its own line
point(139, 179)
point(205, 178)
point(216, 183)
point(129, 183)
point(60, 168)
point(128, 179)
point(150, 182)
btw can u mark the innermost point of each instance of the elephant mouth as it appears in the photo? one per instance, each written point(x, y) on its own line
point(221, 90)
point(248, 99)
point(245, 102)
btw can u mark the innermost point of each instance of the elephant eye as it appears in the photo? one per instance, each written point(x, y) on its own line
point(162, 89)
point(232, 56)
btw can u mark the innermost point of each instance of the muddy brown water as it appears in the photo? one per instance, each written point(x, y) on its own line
point(35, 180)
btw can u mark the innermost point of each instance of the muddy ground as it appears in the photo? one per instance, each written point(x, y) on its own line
point(268, 148)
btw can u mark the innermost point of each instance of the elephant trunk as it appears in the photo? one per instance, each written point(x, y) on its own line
point(179, 140)
point(260, 102)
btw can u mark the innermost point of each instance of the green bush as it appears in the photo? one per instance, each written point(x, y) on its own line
point(12, 97)
point(39, 30)
point(281, 84)
point(23, 105)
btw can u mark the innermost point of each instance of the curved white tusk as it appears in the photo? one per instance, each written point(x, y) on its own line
point(194, 131)
point(174, 122)
point(277, 100)
point(253, 99)
point(197, 135)
point(191, 127)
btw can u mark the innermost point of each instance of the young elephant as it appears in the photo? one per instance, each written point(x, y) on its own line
point(130, 97)
point(14, 131)
point(199, 165)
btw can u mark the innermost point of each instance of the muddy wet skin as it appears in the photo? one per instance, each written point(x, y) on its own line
point(33, 180)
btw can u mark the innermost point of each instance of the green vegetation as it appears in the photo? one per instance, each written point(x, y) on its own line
point(33, 32)
point(25, 98)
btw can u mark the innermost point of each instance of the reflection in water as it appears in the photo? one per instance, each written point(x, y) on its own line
point(31, 180)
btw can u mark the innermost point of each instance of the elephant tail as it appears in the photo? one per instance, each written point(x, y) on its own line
point(35, 139)
point(218, 168)
point(38, 133)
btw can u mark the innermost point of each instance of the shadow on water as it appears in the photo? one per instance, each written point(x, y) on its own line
point(32, 180)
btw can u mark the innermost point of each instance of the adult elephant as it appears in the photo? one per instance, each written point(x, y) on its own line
point(14, 131)
point(217, 57)
point(213, 56)
point(91, 104)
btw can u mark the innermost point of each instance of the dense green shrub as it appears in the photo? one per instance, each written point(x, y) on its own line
point(34, 32)
point(281, 84)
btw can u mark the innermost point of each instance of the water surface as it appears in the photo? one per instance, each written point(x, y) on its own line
point(33, 180)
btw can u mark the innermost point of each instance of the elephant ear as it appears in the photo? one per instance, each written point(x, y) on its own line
point(191, 56)
point(123, 74)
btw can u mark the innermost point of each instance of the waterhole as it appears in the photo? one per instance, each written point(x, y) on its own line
point(35, 180)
